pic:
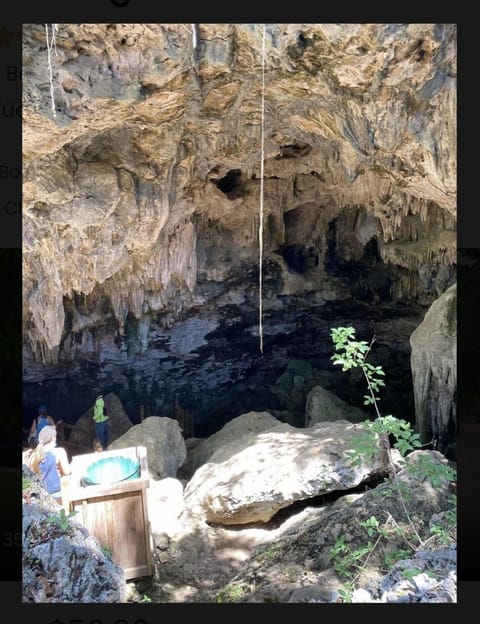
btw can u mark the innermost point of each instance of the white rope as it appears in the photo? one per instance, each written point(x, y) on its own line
point(260, 224)
point(194, 36)
point(49, 49)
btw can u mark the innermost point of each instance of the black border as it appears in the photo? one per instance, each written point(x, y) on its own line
point(10, 308)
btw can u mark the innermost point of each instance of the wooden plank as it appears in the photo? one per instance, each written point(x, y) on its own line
point(96, 491)
point(132, 572)
point(117, 522)
point(149, 546)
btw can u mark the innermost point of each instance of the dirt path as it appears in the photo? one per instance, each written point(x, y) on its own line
point(195, 561)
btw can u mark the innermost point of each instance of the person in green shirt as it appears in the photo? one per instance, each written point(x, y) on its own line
point(100, 418)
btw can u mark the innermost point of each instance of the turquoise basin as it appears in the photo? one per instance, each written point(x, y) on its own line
point(111, 470)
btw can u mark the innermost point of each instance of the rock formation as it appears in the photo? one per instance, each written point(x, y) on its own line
point(163, 440)
point(251, 478)
point(61, 561)
point(434, 368)
point(141, 208)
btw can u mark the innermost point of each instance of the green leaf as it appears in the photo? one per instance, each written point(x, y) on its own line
point(411, 573)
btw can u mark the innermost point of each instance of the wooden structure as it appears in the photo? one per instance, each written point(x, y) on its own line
point(115, 513)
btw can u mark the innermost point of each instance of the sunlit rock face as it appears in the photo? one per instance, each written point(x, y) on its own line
point(142, 208)
point(251, 478)
point(434, 369)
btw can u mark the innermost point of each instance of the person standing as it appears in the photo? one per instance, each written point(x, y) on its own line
point(50, 461)
point(42, 420)
point(100, 418)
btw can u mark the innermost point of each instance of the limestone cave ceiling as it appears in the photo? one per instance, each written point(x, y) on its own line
point(141, 201)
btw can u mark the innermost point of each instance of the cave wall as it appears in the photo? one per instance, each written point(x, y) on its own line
point(434, 369)
point(141, 204)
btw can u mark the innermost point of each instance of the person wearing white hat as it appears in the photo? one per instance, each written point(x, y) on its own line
point(50, 461)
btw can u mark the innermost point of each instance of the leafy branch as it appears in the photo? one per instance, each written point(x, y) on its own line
point(352, 353)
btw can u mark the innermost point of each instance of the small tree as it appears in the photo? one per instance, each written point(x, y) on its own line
point(352, 353)
point(375, 438)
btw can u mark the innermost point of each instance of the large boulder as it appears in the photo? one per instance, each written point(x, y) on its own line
point(253, 477)
point(322, 405)
point(162, 437)
point(202, 450)
point(434, 371)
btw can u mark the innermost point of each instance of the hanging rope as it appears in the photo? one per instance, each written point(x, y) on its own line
point(51, 44)
point(194, 36)
point(260, 222)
